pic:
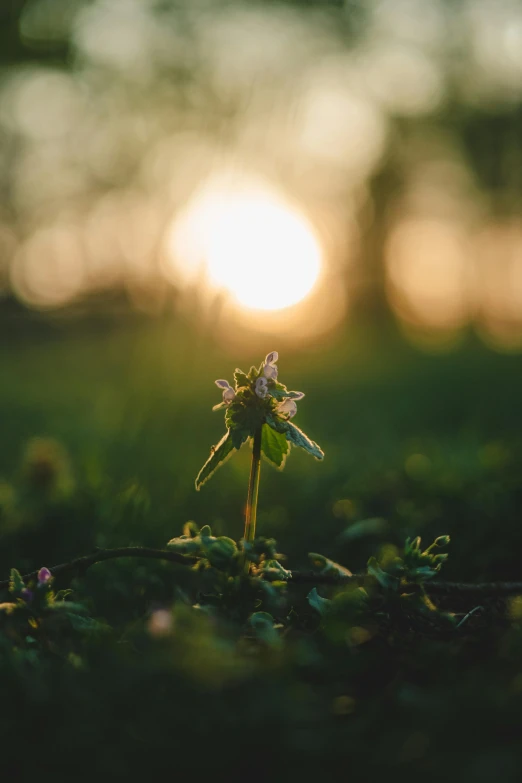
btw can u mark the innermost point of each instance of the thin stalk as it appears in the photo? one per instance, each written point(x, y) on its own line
point(253, 491)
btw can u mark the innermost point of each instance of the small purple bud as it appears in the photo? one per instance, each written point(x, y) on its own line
point(27, 595)
point(44, 575)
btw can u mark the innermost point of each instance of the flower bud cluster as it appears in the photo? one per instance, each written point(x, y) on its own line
point(263, 386)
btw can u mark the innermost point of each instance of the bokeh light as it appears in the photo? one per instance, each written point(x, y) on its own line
point(499, 258)
point(427, 266)
point(375, 144)
point(250, 244)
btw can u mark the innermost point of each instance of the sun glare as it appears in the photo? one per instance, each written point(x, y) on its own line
point(249, 243)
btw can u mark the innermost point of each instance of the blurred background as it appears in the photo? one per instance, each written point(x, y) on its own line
point(188, 186)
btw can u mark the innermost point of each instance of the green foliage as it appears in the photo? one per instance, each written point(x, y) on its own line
point(272, 570)
point(386, 580)
point(274, 446)
point(295, 436)
point(414, 567)
point(42, 619)
point(257, 404)
point(265, 629)
point(326, 567)
point(278, 391)
point(218, 455)
point(223, 632)
point(245, 414)
point(226, 591)
point(380, 678)
point(403, 577)
point(317, 602)
point(298, 438)
point(261, 549)
point(241, 379)
point(16, 583)
point(220, 552)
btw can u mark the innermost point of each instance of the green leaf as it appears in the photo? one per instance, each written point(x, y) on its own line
point(273, 570)
point(265, 628)
point(238, 436)
point(85, 624)
point(253, 373)
point(71, 607)
point(274, 446)
point(298, 438)
point(245, 419)
point(190, 529)
point(278, 390)
point(61, 595)
point(421, 574)
point(374, 526)
point(185, 545)
point(16, 583)
point(277, 424)
point(387, 581)
point(325, 566)
point(317, 602)
point(240, 379)
point(218, 455)
point(221, 552)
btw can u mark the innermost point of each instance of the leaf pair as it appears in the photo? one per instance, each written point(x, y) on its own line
point(275, 447)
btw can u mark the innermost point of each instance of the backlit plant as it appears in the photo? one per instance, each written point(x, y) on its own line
point(258, 410)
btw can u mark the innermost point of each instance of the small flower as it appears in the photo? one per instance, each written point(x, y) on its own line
point(228, 392)
point(287, 407)
point(270, 367)
point(160, 623)
point(44, 575)
point(261, 387)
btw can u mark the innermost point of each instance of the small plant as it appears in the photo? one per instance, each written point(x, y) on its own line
point(403, 578)
point(221, 562)
point(38, 617)
point(416, 566)
point(259, 410)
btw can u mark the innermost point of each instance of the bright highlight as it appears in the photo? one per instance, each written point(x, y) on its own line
point(251, 244)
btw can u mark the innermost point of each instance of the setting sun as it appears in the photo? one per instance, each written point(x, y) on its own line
point(249, 243)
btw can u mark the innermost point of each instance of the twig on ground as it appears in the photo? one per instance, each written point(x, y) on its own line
point(80, 564)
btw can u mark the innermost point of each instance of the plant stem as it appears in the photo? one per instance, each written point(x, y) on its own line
point(253, 491)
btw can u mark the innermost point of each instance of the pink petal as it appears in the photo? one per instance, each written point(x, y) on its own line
point(287, 406)
point(261, 387)
point(44, 575)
